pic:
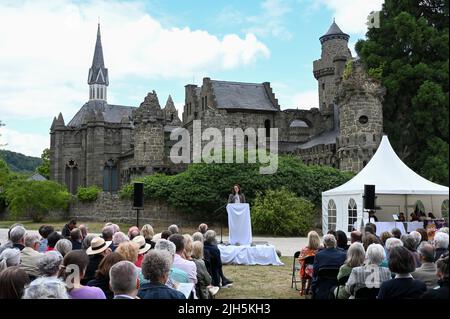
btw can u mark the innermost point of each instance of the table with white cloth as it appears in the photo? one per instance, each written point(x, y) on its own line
point(388, 226)
point(412, 226)
point(239, 224)
point(249, 255)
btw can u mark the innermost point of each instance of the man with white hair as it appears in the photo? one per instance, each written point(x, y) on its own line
point(124, 281)
point(329, 257)
point(119, 238)
point(9, 257)
point(30, 255)
point(427, 271)
point(46, 288)
point(176, 274)
point(417, 237)
point(173, 229)
point(17, 236)
point(440, 243)
point(9, 243)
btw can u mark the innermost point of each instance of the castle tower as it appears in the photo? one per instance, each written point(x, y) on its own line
point(98, 75)
point(359, 98)
point(149, 132)
point(334, 46)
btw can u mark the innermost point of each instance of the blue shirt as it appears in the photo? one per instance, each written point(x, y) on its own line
point(159, 291)
point(43, 245)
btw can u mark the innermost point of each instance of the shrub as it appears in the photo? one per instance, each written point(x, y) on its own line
point(281, 212)
point(204, 187)
point(88, 194)
point(36, 198)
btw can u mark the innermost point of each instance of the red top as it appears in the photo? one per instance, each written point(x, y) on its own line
point(138, 263)
point(50, 248)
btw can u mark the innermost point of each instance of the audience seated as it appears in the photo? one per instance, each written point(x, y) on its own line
point(403, 286)
point(49, 264)
point(16, 236)
point(355, 237)
point(166, 234)
point(359, 277)
point(417, 236)
point(119, 238)
point(9, 243)
point(129, 250)
point(423, 234)
point(427, 271)
point(203, 228)
point(9, 257)
point(198, 236)
point(98, 249)
point(101, 279)
point(204, 289)
point(123, 279)
point(46, 288)
point(390, 243)
point(369, 239)
point(410, 243)
point(156, 268)
point(12, 282)
point(355, 258)
point(44, 231)
point(76, 238)
point(64, 246)
point(143, 249)
point(84, 230)
point(213, 261)
point(173, 229)
point(440, 243)
point(52, 239)
point(133, 231)
point(87, 241)
point(440, 292)
point(385, 236)
point(342, 240)
point(180, 260)
point(30, 255)
point(310, 250)
point(329, 257)
point(148, 233)
point(176, 275)
point(396, 233)
point(72, 272)
point(107, 235)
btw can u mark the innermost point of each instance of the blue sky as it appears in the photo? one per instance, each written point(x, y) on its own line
point(162, 45)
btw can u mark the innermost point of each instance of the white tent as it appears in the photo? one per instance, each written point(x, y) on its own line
point(397, 188)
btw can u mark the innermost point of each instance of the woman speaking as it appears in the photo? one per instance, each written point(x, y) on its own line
point(236, 195)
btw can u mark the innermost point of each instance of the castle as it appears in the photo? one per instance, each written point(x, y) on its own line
point(108, 145)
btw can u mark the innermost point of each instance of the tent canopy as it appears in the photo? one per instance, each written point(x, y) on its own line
point(389, 175)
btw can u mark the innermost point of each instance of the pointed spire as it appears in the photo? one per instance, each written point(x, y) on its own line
point(334, 32)
point(53, 123)
point(98, 74)
point(169, 104)
point(60, 119)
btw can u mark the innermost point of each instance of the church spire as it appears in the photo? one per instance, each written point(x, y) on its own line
point(98, 75)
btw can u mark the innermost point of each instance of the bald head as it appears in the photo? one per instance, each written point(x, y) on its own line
point(426, 252)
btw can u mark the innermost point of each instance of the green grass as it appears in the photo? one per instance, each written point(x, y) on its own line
point(259, 282)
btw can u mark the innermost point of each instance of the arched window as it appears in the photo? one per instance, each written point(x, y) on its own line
point(110, 177)
point(267, 126)
point(71, 176)
point(352, 214)
point(444, 210)
point(331, 215)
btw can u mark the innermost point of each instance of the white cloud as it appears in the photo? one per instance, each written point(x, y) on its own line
point(306, 99)
point(25, 143)
point(290, 98)
point(46, 48)
point(270, 22)
point(351, 15)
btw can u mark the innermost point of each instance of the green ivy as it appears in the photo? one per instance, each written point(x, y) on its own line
point(88, 194)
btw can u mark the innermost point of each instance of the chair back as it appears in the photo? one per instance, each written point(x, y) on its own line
point(328, 273)
point(309, 260)
point(343, 280)
point(367, 293)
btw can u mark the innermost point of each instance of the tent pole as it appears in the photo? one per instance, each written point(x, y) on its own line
point(406, 208)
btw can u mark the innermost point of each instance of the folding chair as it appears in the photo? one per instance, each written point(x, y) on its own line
point(306, 281)
point(295, 270)
point(326, 280)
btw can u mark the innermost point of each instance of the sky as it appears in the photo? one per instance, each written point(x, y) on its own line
point(46, 49)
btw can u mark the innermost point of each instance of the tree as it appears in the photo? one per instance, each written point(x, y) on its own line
point(409, 52)
point(35, 199)
point(44, 168)
point(5, 176)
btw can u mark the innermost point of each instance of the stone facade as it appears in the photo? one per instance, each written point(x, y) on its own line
point(109, 145)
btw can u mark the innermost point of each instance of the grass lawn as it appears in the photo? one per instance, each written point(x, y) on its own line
point(96, 227)
point(259, 282)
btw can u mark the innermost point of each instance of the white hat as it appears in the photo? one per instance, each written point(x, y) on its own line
point(143, 246)
point(98, 245)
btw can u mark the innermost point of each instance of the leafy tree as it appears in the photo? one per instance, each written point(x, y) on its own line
point(5, 176)
point(35, 199)
point(44, 168)
point(202, 188)
point(409, 53)
point(20, 163)
point(281, 212)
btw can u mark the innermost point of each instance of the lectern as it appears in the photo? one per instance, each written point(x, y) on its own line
point(239, 224)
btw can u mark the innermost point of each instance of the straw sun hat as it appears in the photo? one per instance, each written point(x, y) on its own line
point(98, 245)
point(143, 246)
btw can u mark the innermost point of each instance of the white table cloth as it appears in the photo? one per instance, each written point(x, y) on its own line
point(250, 255)
point(412, 226)
point(239, 224)
point(388, 226)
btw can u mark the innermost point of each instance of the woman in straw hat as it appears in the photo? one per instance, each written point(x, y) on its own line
point(144, 247)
